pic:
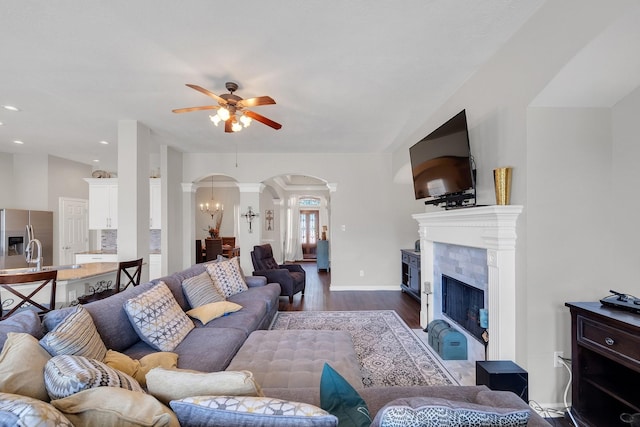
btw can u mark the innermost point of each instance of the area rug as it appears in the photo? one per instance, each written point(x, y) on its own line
point(390, 353)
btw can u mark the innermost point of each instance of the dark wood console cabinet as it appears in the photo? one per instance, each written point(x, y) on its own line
point(411, 273)
point(605, 363)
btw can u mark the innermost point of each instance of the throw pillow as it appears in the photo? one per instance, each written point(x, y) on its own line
point(138, 368)
point(227, 277)
point(26, 321)
point(174, 384)
point(76, 334)
point(66, 375)
point(416, 411)
point(109, 406)
point(208, 312)
point(28, 411)
point(339, 398)
point(199, 290)
point(22, 364)
point(157, 318)
point(240, 411)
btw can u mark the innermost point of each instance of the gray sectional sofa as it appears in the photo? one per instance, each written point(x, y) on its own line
point(211, 347)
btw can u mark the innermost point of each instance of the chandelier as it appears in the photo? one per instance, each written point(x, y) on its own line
point(215, 210)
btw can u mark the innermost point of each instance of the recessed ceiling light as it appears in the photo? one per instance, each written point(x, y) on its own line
point(10, 108)
point(1, 124)
point(104, 142)
point(18, 142)
point(96, 161)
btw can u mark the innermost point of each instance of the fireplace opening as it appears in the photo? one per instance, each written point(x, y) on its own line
point(462, 303)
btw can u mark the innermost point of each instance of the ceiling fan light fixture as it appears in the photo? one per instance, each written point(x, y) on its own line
point(245, 120)
point(215, 119)
point(236, 127)
point(223, 113)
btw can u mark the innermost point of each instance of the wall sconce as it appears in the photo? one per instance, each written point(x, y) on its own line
point(250, 215)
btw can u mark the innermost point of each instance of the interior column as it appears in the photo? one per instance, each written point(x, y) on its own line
point(133, 193)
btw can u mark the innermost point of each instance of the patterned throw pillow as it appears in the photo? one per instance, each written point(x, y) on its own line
point(20, 410)
point(240, 411)
point(66, 375)
point(76, 334)
point(436, 412)
point(199, 290)
point(227, 277)
point(158, 319)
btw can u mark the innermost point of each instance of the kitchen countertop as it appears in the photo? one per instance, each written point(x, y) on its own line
point(87, 270)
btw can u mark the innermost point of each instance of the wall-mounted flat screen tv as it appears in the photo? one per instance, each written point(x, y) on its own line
point(441, 161)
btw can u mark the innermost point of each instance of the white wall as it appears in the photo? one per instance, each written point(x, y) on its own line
point(569, 245)
point(362, 203)
point(623, 201)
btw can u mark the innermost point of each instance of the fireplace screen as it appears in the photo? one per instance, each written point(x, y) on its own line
point(462, 304)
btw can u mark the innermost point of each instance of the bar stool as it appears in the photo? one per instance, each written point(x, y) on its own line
point(131, 270)
point(26, 293)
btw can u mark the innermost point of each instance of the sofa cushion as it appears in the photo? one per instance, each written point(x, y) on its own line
point(76, 334)
point(138, 369)
point(109, 406)
point(22, 364)
point(227, 277)
point(199, 290)
point(111, 319)
point(66, 375)
point(219, 344)
point(240, 411)
point(174, 384)
point(208, 312)
point(20, 410)
point(339, 398)
point(437, 412)
point(158, 319)
point(26, 321)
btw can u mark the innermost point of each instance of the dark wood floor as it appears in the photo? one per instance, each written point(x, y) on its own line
point(318, 297)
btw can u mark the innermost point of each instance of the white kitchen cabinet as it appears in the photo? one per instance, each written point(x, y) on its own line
point(155, 266)
point(88, 258)
point(103, 203)
point(155, 205)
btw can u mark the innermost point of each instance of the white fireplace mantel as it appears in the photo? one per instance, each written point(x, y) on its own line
point(489, 227)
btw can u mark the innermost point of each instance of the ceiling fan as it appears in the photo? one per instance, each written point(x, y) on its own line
point(230, 105)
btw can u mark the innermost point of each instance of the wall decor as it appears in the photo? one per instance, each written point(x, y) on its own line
point(268, 220)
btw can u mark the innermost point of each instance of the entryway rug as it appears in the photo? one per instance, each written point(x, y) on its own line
point(390, 353)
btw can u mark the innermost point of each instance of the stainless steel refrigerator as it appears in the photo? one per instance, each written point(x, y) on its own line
point(14, 236)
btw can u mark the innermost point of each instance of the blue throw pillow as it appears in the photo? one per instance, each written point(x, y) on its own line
point(339, 398)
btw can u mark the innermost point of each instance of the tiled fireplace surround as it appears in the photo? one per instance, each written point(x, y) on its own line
point(476, 246)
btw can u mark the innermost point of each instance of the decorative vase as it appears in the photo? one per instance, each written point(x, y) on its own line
point(502, 182)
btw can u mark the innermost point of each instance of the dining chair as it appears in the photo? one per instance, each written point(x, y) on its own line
point(199, 252)
point(128, 274)
point(22, 286)
point(229, 241)
point(213, 248)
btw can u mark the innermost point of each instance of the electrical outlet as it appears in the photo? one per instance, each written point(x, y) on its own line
point(557, 355)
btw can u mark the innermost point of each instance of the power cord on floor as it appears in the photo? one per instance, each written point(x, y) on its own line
point(549, 412)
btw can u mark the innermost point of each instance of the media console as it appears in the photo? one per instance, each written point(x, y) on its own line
point(411, 273)
point(605, 363)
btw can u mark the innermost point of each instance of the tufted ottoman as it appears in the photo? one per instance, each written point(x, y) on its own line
point(295, 358)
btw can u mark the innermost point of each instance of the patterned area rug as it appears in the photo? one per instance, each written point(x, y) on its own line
point(390, 354)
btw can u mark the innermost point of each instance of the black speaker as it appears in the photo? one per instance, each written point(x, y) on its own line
point(503, 375)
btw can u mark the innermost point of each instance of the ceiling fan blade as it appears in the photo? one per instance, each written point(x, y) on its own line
point(189, 109)
point(263, 119)
point(208, 93)
point(254, 102)
point(227, 126)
